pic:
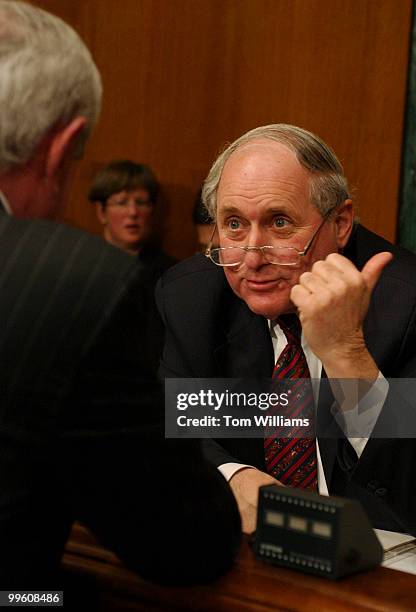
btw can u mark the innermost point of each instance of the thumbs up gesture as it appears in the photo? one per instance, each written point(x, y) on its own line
point(332, 300)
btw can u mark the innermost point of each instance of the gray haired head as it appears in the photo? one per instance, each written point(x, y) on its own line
point(47, 78)
point(328, 185)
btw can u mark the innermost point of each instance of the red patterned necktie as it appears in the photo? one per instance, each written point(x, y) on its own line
point(293, 460)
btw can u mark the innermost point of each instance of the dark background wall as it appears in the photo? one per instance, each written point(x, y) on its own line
point(182, 77)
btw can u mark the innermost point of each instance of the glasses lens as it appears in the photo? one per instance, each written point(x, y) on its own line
point(233, 256)
point(229, 256)
point(283, 256)
point(125, 203)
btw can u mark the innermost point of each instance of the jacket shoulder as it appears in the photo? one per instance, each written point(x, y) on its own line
point(60, 286)
point(364, 244)
point(57, 250)
point(198, 270)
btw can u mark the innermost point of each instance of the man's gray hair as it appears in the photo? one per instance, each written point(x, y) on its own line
point(47, 78)
point(328, 185)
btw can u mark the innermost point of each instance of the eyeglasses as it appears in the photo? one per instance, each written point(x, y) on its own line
point(123, 203)
point(277, 255)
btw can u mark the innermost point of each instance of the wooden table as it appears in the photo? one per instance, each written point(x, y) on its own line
point(250, 585)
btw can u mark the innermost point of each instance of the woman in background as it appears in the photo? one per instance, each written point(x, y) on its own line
point(125, 195)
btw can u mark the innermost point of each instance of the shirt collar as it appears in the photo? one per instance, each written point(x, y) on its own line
point(276, 332)
point(4, 202)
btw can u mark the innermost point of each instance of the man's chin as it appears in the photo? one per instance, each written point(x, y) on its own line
point(269, 311)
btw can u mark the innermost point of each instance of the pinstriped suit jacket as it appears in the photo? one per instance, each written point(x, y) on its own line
point(80, 420)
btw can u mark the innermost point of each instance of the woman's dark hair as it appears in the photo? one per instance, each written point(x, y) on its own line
point(123, 175)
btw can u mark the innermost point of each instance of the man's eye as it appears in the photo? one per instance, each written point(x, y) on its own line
point(234, 224)
point(280, 222)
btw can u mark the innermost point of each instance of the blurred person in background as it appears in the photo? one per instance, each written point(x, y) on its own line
point(125, 194)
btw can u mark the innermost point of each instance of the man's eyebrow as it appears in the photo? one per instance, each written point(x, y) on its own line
point(273, 209)
point(279, 208)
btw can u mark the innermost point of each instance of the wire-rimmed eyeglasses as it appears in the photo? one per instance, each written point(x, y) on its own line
point(277, 255)
point(123, 203)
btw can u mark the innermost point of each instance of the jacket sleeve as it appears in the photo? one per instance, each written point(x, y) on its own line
point(157, 503)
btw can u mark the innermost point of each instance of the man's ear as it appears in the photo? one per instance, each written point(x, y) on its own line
point(344, 219)
point(101, 213)
point(61, 145)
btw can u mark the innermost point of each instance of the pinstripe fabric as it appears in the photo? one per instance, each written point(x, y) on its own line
point(58, 288)
point(293, 460)
point(53, 282)
point(81, 420)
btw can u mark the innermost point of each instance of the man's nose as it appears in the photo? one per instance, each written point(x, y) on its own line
point(254, 257)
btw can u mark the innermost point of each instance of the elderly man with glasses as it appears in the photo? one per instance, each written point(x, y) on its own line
point(297, 289)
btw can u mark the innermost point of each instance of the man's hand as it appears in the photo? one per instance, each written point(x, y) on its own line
point(333, 300)
point(245, 486)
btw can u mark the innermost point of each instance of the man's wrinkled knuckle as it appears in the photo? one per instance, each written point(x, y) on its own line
point(295, 291)
point(305, 277)
point(357, 282)
point(320, 266)
point(333, 257)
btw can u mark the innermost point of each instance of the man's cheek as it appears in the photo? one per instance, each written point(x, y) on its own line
point(234, 280)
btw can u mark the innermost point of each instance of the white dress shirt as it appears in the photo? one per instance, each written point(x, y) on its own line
point(361, 419)
point(5, 203)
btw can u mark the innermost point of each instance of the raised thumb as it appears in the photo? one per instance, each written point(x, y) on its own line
point(374, 267)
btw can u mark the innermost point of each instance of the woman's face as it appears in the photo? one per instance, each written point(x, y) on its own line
point(127, 218)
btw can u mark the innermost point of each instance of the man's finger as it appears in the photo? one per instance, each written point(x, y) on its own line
point(374, 267)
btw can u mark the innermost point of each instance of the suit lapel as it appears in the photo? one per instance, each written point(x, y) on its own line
point(247, 351)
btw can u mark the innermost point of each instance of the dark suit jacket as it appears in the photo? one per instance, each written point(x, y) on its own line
point(154, 263)
point(81, 434)
point(212, 333)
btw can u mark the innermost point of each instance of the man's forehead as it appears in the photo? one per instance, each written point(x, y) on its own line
point(260, 160)
point(262, 147)
point(263, 168)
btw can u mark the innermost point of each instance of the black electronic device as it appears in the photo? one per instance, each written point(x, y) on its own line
point(328, 536)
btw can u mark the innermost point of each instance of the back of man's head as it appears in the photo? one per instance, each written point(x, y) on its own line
point(47, 78)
